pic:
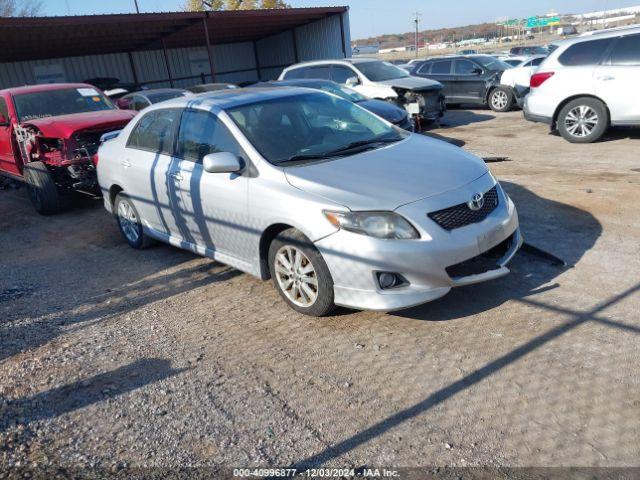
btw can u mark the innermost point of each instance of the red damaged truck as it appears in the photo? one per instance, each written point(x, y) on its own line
point(49, 137)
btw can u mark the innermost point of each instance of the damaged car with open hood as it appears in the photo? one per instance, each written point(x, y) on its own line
point(49, 138)
point(422, 98)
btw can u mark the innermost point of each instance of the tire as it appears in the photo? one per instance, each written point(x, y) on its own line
point(129, 223)
point(300, 293)
point(594, 116)
point(501, 99)
point(42, 188)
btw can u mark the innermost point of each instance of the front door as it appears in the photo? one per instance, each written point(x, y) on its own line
point(617, 80)
point(214, 205)
point(7, 162)
point(469, 81)
point(440, 70)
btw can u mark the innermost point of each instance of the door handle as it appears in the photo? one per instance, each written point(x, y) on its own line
point(125, 163)
point(176, 176)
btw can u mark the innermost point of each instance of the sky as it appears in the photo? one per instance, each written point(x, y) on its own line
point(375, 17)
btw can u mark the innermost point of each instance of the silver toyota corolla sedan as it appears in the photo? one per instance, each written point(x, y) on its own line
point(333, 203)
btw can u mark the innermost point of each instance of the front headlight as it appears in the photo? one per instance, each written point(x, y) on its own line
point(387, 225)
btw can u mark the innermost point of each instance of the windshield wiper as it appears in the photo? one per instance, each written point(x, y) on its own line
point(340, 151)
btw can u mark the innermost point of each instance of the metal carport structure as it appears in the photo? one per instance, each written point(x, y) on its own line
point(169, 49)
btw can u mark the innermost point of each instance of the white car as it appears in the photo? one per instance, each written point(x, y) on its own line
point(520, 75)
point(374, 78)
point(588, 84)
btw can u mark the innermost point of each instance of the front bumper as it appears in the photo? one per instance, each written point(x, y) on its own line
point(354, 260)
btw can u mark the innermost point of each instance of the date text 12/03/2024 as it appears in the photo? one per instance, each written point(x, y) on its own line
point(315, 473)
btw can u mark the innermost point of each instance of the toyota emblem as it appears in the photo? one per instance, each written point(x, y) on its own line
point(477, 202)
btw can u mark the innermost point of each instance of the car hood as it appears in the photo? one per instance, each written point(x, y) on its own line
point(413, 83)
point(63, 126)
point(384, 109)
point(386, 178)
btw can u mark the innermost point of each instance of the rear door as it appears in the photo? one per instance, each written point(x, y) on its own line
point(469, 81)
point(440, 70)
point(7, 162)
point(145, 168)
point(213, 206)
point(617, 80)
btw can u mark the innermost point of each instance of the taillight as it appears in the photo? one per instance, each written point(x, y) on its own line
point(538, 79)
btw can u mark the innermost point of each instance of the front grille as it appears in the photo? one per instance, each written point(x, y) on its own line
point(482, 263)
point(461, 215)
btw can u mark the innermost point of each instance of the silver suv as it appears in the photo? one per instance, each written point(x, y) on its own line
point(336, 205)
point(587, 84)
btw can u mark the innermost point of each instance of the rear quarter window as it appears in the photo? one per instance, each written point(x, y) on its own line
point(626, 51)
point(585, 54)
point(295, 74)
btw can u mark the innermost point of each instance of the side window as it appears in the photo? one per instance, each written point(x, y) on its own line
point(464, 67)
point(441, 68)
point(626, 51)
point(155, 131)
point(425, 68)
point(340, 74)
point(139, 102)
point(323, 72)
point(295, 74)
point(4, 111)
point(536, 62)
point(584, 53)
point(201, 133)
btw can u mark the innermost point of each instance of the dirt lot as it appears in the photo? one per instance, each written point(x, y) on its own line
point(112, 357)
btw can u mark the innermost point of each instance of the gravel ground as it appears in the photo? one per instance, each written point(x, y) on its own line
point(115, 358)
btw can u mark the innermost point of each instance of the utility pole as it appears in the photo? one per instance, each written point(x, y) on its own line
point(417, 21)
point(136, 4)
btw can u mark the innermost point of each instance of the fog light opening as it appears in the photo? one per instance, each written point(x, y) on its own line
point(388, 280)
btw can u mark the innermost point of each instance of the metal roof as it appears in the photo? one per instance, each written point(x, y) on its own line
point(54, 37)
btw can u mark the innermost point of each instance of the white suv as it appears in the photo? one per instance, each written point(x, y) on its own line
point(587, 84)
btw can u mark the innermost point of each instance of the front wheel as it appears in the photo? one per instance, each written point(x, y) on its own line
point(43, 191)
point(300, 274)
point(583, 120)
point(501, 99)
point(130, 224)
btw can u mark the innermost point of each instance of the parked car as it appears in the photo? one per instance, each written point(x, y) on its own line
point(142, 99)
point(468, 51)
point(470, 79)
point(512, 60)
point(377, 79)
point(587, 84)
point(334, 204)
point(528, 51)
point(391, 113)
point(521, 73)
point(211, 87)
point(49, 135)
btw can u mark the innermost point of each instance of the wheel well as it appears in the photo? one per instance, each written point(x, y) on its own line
point(570, 99)
point(265, 241)
point(113, 191)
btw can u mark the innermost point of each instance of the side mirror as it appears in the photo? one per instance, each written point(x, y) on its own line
point(4, 121)
point(477, 71)
point(221, 162)
point(353, 81)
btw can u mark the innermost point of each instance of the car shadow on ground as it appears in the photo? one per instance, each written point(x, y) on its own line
point(562, 230)
point(457, 117)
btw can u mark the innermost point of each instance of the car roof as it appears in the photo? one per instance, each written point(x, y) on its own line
point(608, 33)
point(352, 61)
point(235, 97)
point(45, 88)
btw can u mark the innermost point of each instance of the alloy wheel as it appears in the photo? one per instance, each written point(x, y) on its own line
point(296, 276)
point(499, 100)
point(128, 221)
point(581, 121)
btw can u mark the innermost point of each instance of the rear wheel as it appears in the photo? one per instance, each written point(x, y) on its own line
point(43, 191)
point(300, 274)
point(583, 120)
point(501, 99)
point(130, 224)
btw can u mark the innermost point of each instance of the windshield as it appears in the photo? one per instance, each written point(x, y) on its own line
point(52, 103)
point(339, 90)
point(310, 126)
point(381, 71)
point(491, 63)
